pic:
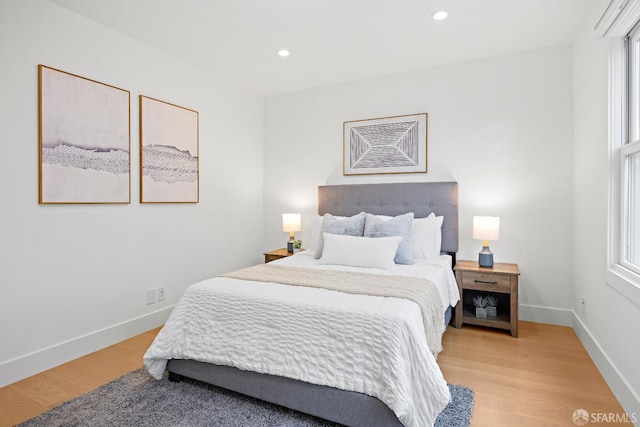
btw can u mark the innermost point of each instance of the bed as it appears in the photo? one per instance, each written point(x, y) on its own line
point(322, 392)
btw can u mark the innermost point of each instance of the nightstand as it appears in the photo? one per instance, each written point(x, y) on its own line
point(276, 254)
point(500, 281)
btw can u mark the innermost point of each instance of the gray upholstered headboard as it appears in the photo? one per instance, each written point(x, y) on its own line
point(421, 198)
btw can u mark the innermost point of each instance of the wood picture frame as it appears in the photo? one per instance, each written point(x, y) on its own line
point(396, 144)
point(84, 140)
point(169, 152)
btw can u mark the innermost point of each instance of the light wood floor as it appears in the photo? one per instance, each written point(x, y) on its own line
point(538, 379)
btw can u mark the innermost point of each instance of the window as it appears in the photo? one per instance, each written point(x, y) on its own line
point(623, 29)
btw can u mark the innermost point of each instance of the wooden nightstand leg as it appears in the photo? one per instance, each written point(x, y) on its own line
point(514, 306)
point(458, 309)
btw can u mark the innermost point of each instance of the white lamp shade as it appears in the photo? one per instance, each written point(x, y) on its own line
point(291, 222)
point(486, 227)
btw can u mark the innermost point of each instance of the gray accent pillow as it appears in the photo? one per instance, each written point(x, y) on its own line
point(352, 226)
point(397, 226)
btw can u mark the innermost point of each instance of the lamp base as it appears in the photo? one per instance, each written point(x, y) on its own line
point(292, 239)
point(485, 257)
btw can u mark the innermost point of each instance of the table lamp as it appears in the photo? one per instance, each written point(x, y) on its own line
point(486, 228)
point(291, 223)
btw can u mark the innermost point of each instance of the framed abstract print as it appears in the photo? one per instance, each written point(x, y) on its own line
point(169, 166)
point(84, 140)
point(385, 145)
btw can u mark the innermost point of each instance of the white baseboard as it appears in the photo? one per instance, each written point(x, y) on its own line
point(55, 355)
point(553, 316)
point(624, 393)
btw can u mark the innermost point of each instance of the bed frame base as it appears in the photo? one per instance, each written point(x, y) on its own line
point(341, 406)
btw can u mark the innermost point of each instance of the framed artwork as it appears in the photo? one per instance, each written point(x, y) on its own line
point(386, 145)
point(169, 166)
point(83, 140)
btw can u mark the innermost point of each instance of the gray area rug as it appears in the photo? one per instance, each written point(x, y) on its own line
point(138, 400)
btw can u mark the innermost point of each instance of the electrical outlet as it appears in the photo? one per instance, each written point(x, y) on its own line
point(162, 293)
point(151, 296)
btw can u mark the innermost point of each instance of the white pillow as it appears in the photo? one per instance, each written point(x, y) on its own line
point(440, 219)
point(369, 252)
point(426, 236)
point(315, 234)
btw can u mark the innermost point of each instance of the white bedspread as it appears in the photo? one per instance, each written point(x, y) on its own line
point(372, 345)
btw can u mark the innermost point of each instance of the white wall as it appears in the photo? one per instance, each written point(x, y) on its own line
point(607, 323)
point(73, 278)
point(501, 128)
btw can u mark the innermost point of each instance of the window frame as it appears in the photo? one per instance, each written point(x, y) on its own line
point(621, 274)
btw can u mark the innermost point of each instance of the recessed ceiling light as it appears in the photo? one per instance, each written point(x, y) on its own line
point(439, 15)
point(283, 52)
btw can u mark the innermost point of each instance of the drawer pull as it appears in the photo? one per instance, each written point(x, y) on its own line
point(484, 281)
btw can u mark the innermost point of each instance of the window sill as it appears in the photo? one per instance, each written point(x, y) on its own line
point(624, 281)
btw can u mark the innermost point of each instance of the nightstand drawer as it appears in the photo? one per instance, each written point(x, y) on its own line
point(486, 281)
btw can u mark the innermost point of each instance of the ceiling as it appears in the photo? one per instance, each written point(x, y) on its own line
point(334, 41)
